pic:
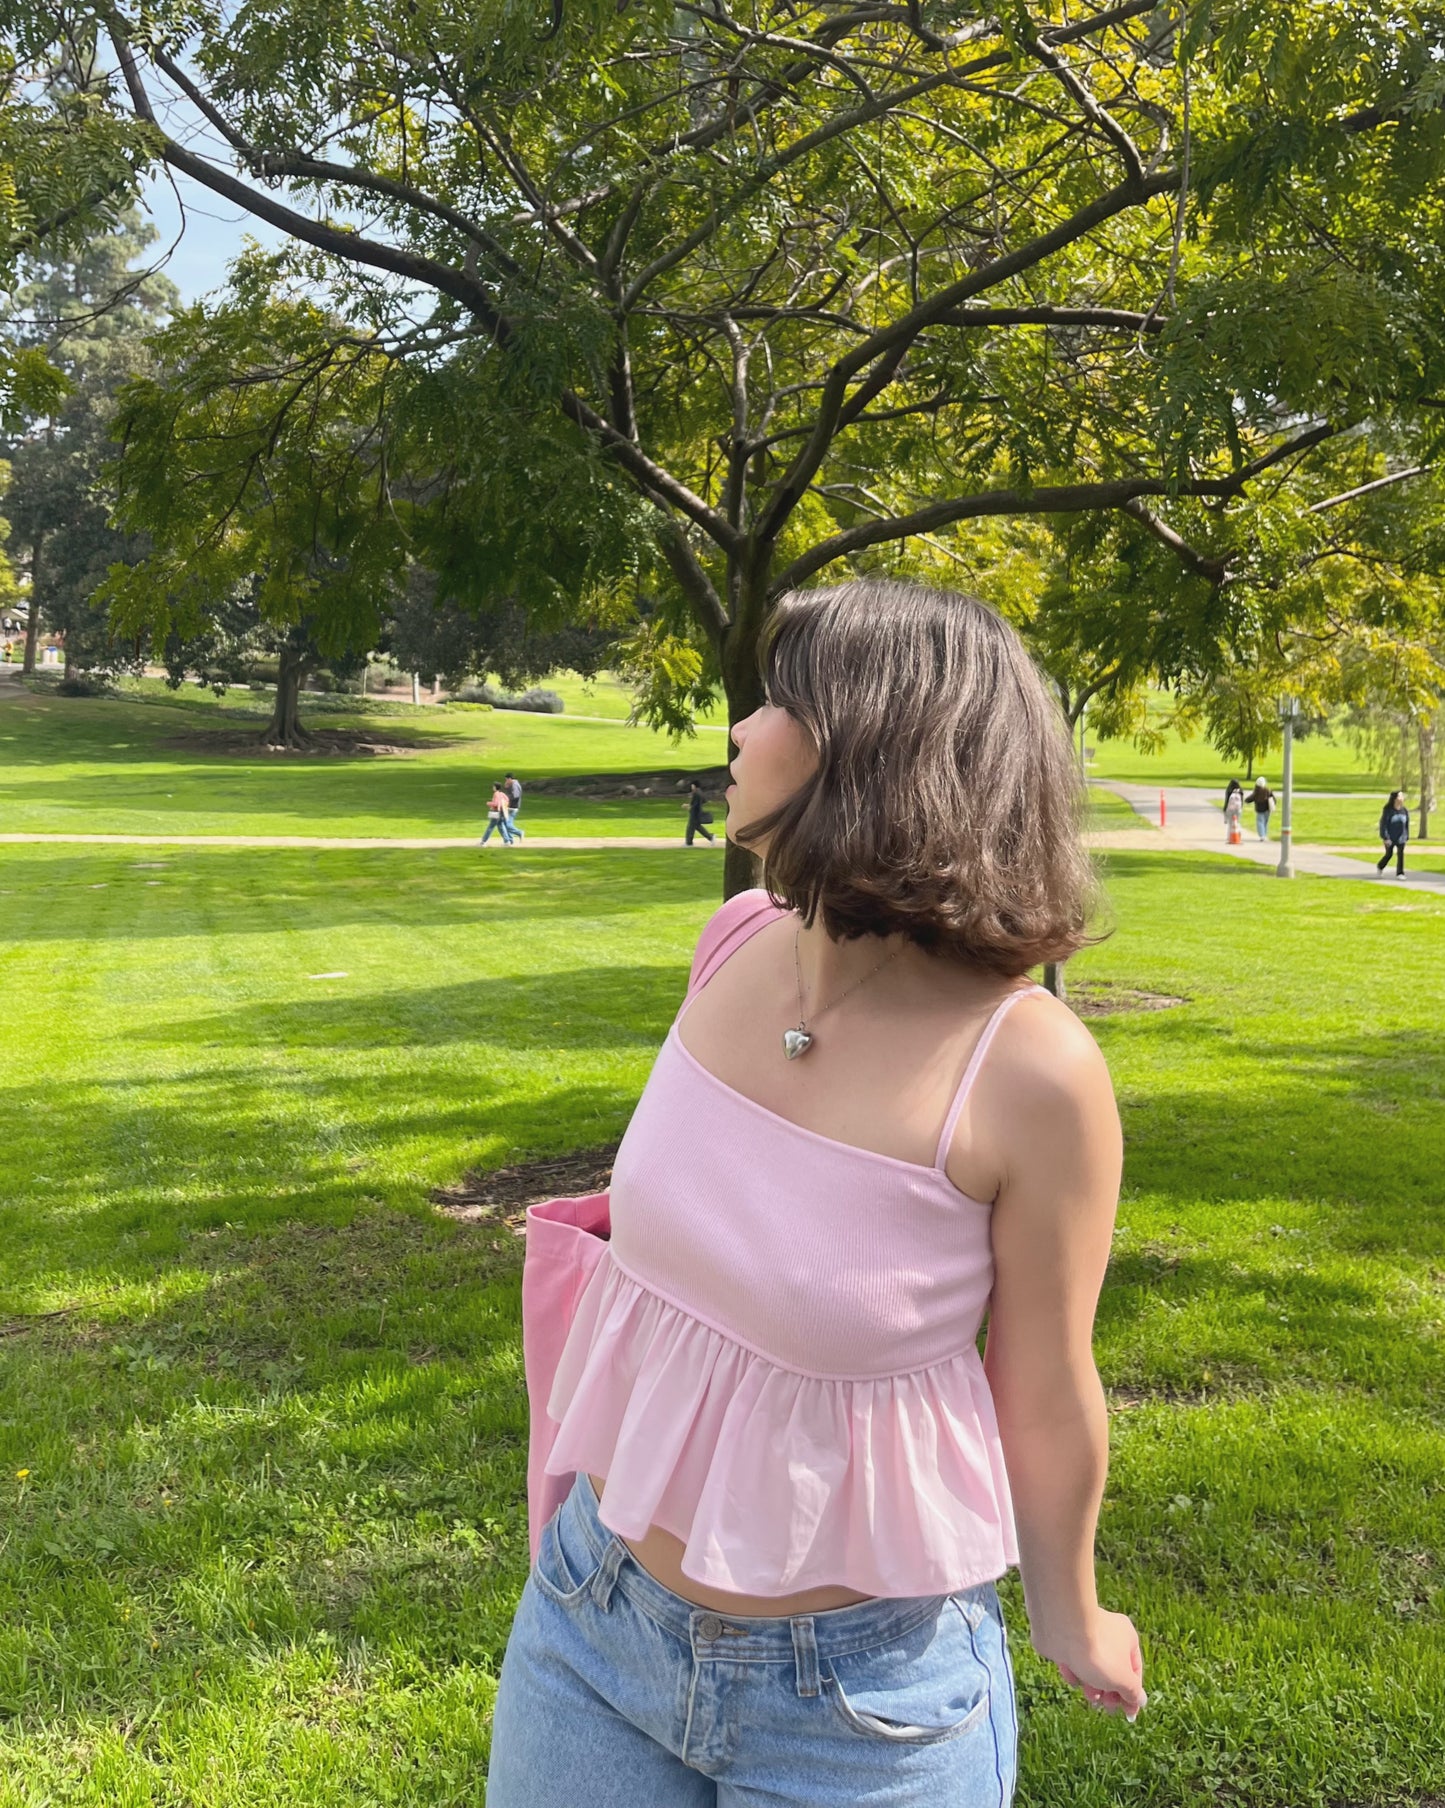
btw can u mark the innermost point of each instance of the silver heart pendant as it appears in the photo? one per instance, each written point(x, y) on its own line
point(795, 1043)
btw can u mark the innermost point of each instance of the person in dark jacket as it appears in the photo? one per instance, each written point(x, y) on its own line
point(1261, 801)
point(1394, 832)
point(512, 786)
point(697, 816)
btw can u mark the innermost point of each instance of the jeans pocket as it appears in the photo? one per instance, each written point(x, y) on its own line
point(915, 1692)
point(565, 1566)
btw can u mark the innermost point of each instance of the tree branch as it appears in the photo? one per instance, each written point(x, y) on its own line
point(1365, 489)
point(343, 175)
point(1117, 319)
point(658, 484)
point(1062, 499)
point(694, 582)
point(349, 245)
point(882, 345)
point(1193, 560)
point(1096, 114)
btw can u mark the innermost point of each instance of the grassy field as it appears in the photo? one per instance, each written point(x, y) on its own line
point(1321, 763)
point(156, 762)
point(607, 695)
point(1418, 857)
point(261, 1521)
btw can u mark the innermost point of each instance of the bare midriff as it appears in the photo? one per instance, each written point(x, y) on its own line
point(660, 1554)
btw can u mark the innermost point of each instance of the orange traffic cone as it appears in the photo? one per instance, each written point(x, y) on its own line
point(1236, 839)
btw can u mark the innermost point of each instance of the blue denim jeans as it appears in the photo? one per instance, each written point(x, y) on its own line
point(617, 1693)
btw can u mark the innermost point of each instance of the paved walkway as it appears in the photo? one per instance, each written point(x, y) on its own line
point(1194, 820)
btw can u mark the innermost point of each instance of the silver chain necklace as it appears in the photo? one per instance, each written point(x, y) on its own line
point(799, 1041)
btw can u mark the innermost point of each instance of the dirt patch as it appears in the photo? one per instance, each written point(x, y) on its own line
point(1099, 998)
point(1127, 1399)
point(610, 786)
point(502, 1195)
point(323, 742)
point(34, 1321)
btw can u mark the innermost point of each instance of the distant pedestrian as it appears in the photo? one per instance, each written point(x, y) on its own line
point(698, 817)
point(1394, 832)
point(513, 789)
point(1233, 810)
point(1262, 801)
point(499, 816)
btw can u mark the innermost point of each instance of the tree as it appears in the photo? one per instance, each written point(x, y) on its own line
point(304, 545)
point(812, 286)
point(86, 313)
point(425, 633)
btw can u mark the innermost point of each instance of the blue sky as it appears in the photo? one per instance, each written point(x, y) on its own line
point(212, 237)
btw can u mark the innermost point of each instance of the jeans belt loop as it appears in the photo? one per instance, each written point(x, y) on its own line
point(605, 1580)
point(805, 1655)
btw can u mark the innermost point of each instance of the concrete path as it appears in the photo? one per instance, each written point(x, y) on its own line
point(1195, 821)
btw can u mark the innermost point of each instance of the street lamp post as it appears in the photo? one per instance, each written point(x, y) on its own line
point(1285, 869)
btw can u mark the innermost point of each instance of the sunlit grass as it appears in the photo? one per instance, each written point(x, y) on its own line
point(269, 1532)
point(143, 765)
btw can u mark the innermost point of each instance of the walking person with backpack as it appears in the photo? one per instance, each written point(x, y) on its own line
point(1233, 809)
point(698, 815)
point(794, 1482)
point(1394, 832)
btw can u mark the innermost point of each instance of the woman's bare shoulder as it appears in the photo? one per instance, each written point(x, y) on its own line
point(1046, 1057)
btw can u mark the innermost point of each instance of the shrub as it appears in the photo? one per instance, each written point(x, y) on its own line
point(538, 700)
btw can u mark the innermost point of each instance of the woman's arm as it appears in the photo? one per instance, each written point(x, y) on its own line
point(1053, 1222)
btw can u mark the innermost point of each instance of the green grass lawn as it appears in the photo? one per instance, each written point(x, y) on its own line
point(1321, 762)
point(1108, 813)
point(261, 1519)
point(1418, 857)
point(140, 764)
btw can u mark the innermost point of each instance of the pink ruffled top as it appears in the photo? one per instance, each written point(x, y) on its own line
point(776, 1359)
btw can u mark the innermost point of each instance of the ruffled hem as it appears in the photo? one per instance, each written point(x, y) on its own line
point(773, 1480)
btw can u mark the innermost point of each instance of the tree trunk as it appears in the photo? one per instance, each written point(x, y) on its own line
point(743, 687)
point(32, 626)
point(285, 728)
point(1427, 778)
point(1054, 980)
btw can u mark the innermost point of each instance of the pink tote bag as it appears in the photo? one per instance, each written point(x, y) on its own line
point(565, 1241)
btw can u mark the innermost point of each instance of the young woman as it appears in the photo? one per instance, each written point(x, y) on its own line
point(499, 815)
point(1394, 832)
point(1262, 801)
point(772, 1585)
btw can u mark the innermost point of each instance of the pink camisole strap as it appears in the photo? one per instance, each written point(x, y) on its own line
point(727, 929)
point(970, 1073)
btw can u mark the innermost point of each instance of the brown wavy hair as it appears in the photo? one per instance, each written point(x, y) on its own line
point(947, 804)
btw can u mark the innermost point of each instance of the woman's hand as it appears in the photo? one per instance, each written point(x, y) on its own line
point(1104, 1661)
